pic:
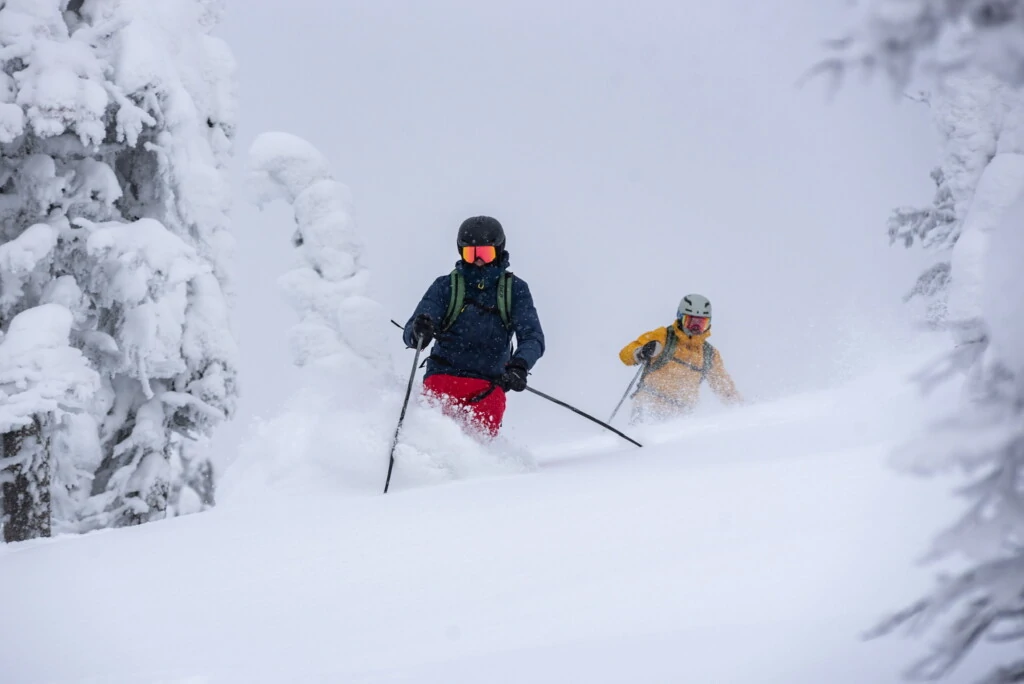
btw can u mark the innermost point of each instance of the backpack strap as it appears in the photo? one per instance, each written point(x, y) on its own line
point(709, 359)
point(456, 299)
point(505, 281)
point(668, 355)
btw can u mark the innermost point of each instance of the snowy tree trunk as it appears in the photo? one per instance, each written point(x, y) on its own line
point(25, 488)
point(42, 379)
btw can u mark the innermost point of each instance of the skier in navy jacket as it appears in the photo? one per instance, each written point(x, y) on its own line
point(472, 314)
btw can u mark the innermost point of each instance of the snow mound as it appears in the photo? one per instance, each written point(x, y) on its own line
point(330, 441)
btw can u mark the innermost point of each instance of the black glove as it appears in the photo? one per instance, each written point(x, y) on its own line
point(646, 352)
point(422, 330)
point(514, 377)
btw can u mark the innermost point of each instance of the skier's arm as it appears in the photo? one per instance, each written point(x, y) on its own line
point(628, 353)
point(434, 304)
point(721, 382)
point(526, 324)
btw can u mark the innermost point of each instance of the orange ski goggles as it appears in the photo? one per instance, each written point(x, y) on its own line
point(486, 253)
point(696, 324)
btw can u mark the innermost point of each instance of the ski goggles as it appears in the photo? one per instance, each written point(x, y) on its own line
point(696, 323)
point(486, 253)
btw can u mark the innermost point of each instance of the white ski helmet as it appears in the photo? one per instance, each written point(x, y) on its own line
point(694, 305)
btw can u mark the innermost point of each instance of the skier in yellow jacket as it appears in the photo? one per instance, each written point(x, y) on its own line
point(678, 358)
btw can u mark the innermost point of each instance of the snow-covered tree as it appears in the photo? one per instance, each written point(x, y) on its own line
point(979, 219)
point(116, 125)
point(985, 439)
point(338, 324)
point(149, 276)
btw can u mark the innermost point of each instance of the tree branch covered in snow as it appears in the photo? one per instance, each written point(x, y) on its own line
point(116, 126)
point(983, 611)
point(985, 602)
point(906, 37)
point(934, 226)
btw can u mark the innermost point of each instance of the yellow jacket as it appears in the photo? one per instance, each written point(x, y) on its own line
point(676, 380)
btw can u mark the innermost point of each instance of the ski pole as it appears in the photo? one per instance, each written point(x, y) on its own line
point(631, 383)
point(530, 389)
point(587, 416)
point(401, 416)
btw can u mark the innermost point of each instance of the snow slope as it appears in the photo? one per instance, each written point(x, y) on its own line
point(754, 545)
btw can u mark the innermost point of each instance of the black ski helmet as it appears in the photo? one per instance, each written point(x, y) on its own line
point(481, 230)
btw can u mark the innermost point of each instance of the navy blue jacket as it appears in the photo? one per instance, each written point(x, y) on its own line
point(478, 344)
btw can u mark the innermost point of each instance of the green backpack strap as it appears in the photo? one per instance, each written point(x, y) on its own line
point(505, 281)
point(456, 299)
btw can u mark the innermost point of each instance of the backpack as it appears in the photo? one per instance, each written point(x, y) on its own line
point(669, 355)
point(457, 299)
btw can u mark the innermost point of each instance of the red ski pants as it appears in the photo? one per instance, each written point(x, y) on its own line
point(455, 394)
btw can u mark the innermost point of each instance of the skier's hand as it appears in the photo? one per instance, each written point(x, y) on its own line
point(647, 352)
point(514, 377)
point(423, 330)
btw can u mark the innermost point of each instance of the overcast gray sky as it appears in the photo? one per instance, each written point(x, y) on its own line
point(635, 152)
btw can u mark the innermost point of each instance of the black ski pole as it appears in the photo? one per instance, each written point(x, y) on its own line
point(539, 394)
point(632, 382)
point(401, 416)
point(587, 416)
